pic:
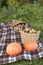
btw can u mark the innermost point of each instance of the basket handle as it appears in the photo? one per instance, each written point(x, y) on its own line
point(16, 22)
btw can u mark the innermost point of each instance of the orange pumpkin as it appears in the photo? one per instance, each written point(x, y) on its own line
point(14, 49)
point(30, 46)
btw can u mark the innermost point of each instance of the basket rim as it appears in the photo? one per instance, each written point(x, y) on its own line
point(30, 34)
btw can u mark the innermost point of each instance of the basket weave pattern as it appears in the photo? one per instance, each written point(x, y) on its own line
point(26, 36)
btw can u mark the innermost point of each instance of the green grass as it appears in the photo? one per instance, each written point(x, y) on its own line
point(27, 62)
point(33, 15)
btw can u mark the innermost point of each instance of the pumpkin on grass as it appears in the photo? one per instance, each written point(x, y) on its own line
point(30, 46)
point(14, 49)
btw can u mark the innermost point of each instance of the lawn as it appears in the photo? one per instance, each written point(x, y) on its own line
point(33, 15)
point(27, 62)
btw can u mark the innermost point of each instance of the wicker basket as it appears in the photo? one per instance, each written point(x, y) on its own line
point(26, 36)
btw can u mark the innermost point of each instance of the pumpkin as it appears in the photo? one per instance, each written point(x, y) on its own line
point(13, 49)
point(30, 46)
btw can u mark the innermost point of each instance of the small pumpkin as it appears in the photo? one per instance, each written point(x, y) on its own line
point(30, 46)
point(13, 49)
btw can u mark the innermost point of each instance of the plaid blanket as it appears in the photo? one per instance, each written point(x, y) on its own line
point(7, 36)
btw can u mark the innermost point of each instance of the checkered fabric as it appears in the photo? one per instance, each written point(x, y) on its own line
point(7, 36)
